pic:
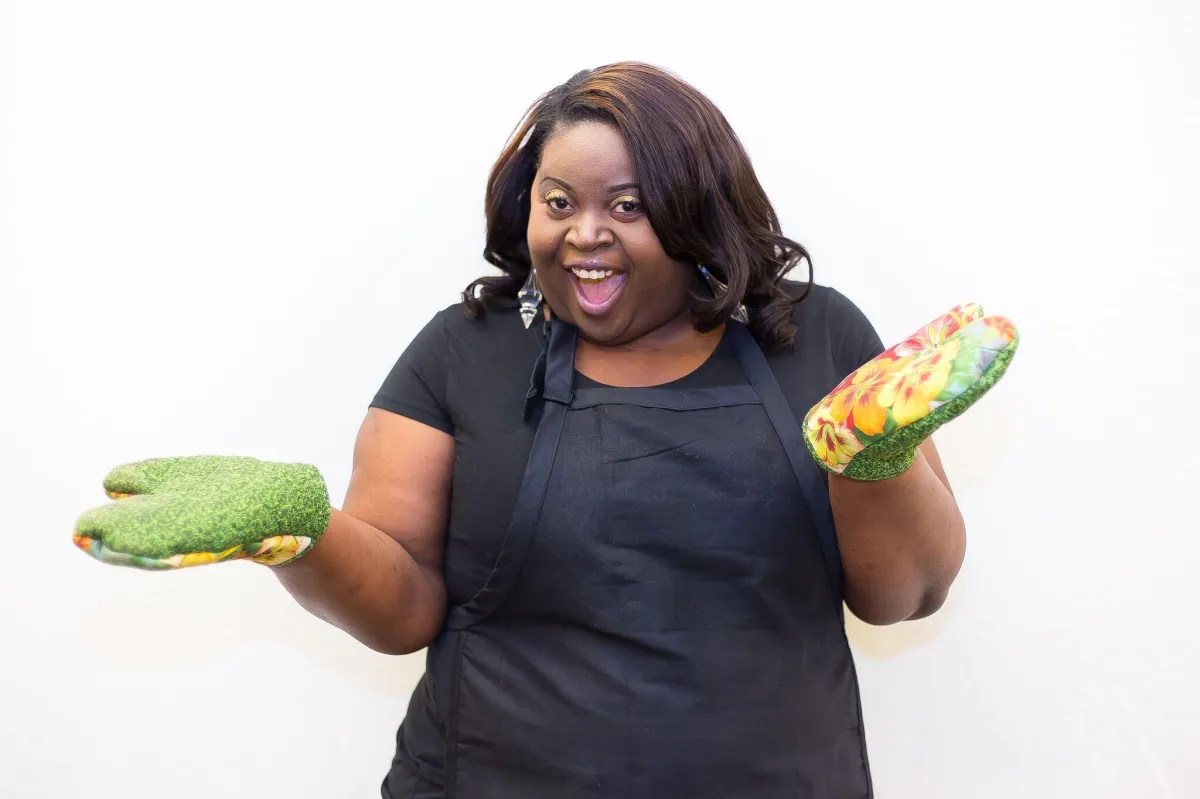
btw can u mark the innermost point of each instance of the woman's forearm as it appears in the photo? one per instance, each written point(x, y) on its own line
point(902, 541)
point(361, 580)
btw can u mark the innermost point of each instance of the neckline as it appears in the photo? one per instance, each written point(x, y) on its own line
point(708, 364)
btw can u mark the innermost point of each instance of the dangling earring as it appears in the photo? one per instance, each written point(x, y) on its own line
point(718, 288)
point(530, 297)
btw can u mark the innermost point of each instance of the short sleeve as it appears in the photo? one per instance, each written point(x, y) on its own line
point(416, 385)
point(851, 334)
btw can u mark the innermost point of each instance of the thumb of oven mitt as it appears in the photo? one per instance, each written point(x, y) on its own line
point(869, 427)
point(176, 512)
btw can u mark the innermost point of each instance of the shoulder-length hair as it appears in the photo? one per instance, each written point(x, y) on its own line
point(699, 191)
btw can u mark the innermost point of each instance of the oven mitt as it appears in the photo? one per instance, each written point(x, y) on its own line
point(869, 427)
point(175, 512)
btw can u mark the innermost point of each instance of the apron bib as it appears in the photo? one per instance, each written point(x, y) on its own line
point(664, 617)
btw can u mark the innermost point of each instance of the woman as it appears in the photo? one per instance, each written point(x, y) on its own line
point(609, 526)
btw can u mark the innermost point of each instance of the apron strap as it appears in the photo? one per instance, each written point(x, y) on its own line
point(808, 475)
point(560, 362)
point(554, 384)
point(554, 374)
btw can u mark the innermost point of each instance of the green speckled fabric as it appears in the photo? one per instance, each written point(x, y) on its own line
point(869, 427)
point(173, 512)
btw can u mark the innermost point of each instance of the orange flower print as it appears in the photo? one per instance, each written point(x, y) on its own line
point(859, 403)
point(966, 314)
point(1003, 326)
point(911, 390)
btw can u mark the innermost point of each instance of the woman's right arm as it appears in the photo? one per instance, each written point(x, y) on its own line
point(377, 570)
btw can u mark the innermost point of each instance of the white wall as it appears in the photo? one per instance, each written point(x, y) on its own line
point(221, 222)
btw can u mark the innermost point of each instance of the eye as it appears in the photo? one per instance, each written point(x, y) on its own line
point(628, 205)
point(557, 200)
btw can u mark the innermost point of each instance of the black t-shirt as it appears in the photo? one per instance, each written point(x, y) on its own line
point(469, 377)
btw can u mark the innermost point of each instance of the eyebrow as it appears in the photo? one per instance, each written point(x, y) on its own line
point(610, 189)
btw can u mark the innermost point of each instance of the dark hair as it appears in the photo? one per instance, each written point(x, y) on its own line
point(699, 190)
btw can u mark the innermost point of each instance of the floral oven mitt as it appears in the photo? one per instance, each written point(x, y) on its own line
point(175, 512)
point(869, 427)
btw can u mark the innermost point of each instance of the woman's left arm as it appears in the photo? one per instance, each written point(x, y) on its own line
point(902, 540)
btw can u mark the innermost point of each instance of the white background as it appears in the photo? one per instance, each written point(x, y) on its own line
point(221, 222)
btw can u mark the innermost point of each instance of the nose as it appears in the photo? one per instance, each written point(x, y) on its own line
point(589, 233)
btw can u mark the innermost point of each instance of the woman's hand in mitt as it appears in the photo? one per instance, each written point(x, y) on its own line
point(869, 427)
point(175, 512)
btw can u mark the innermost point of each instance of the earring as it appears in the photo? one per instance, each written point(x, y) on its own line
point(718, 288)
point(530, 297)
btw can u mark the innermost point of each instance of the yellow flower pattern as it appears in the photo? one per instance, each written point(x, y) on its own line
point(932, 367)
point(910, 390)
point(203, 558)
point(833, 442)
point(271, 552)
point(939, 330)
point(861, 398)
point(280, 549)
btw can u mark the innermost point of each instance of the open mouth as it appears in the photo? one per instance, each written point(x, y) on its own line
point(596, 288)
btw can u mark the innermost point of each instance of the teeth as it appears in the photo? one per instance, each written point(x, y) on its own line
point(592, 274)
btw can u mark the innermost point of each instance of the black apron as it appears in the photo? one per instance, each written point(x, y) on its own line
point(664, 618)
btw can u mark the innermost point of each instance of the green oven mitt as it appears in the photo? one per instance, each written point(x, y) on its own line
point(869, 427)
point(175, 512)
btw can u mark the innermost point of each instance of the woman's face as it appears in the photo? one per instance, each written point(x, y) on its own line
point(599, 263)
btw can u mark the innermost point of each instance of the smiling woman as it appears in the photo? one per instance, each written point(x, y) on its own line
point(625, 534)
point(661, 613)
point(630, 164)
